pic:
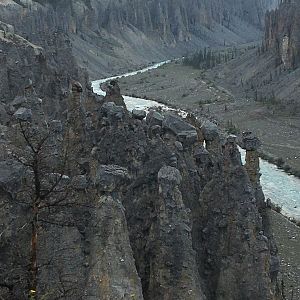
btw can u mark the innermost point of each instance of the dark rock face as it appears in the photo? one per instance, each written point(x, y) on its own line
point(98, 204)
point(142, 215)
point(113, 93)
point(11, 176)
point(250, 142)
point(185, 132)
point(139, 114)
point(282, 33)
point(23, 114)
point(45, 70)
point(108, 178)
point(112, 112)
point(154, 118)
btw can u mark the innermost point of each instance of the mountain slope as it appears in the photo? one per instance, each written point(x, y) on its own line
point(108, 35)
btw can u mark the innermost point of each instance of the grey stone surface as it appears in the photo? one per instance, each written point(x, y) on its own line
point(23, 114)
point(169, 175)
point(11, 174)
point(154, 118)
point(56, 126)
point(139, 114)
point(210, 131)
point(79, 182)
point(249, 141)
point(201, 154)
point(112, 112)
point(179, 146)
point(176, 124)
point(110, 177)
point(4, 117)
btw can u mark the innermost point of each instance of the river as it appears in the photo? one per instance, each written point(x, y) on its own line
point(281, 188)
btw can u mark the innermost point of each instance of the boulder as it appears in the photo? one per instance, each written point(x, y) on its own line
point(110, 177)
point(249, 141)
point(232, 139)
point(23, 114)
point(201, 154)
point(154, 118)
point(112, 112)
point(188, 137)
point(156, 129)
point(179, 146)
point(210, 131)
point(185, 132)
point(113, 93)
point(138, 114)
point(177, 125)
point(169, 176)
point(77, 87)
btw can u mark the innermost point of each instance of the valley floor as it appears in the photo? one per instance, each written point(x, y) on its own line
point(287, 236)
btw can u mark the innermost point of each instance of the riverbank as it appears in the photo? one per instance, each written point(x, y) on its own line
point(287, 237)
point(188, 88)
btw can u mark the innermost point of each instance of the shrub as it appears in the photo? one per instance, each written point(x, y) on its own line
point(279, 161)
point(278, 208)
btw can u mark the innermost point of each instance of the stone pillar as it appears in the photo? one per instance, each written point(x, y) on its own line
point(232, 156)
point(113, 93)
point(251, 144)
point(4, 87)
point(112, 272)
point(211, 136)
point(173, 268)
point(75, 129)
point(192, 119)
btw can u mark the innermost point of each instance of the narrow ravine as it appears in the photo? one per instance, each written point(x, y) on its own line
point(281, 188)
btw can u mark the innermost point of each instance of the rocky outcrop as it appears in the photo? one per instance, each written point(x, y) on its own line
point(32, 69)
point(282, 33)
point(173, 270)
point(113, 93)
point(133, 215)
point(97, 203)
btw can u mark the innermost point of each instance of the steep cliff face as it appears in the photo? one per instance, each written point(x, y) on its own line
point(44, 69)
point(135, 32)
point(283, 33)
point(137, 209)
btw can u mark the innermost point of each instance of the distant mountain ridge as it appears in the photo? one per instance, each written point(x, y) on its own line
point(109, 34)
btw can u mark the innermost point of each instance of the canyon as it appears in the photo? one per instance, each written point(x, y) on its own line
point(108, 35)
point(103, 202)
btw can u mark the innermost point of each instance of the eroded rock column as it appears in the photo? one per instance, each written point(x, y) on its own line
point(75, 135)
point(211, 136)
point(112, 273)
point(251, 144)
point(173, 269)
